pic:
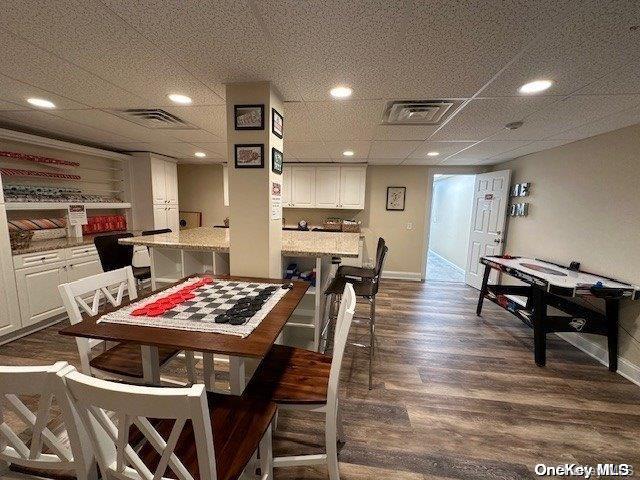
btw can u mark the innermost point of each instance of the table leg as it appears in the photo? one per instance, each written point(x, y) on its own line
point(483, 289)
point(208, 373)
point(539, 331)
point(612, 314)
point(150, 364)
point(237, 380)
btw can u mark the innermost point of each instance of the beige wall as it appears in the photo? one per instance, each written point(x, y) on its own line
point(200, 190)
point(584, 206)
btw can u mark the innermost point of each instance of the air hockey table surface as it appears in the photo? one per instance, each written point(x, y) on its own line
point(561, 280)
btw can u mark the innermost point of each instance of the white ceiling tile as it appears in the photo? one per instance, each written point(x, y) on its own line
point(385, 161)
point(625, 80)
point(568, 113)
point(211, 118)
point(17, 92)
point(306, 150)
point(404, 132)
point(481, 118)
point(583, 46)
point(4, 105)
point(395, 149)
point(525, 150)
point(297, 127)
point(483, 150)
point(345, 120)
point(218, 149)
point(360, 150)
point(601, 125)
point(195, 136)
point(443, 148)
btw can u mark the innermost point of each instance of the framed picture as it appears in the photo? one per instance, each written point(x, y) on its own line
point(395, 198)
point(249, 155)
point(276, 161)
point(276, 123)
point(249, 117)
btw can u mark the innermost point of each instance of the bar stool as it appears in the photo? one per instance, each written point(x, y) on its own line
point(365, 282)
point(114, 255)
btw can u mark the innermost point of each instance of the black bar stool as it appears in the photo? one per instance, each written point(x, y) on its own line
point(114, 255)
point(365, 282)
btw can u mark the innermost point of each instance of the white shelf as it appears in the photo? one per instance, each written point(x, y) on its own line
point(62, 205)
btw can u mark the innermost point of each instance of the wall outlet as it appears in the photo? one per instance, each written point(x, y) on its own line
point(410, 226)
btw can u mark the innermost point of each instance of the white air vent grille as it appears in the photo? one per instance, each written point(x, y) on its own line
point(155, 118)
point(418, 112)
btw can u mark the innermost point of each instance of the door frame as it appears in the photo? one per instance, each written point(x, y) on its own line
point(432, 172)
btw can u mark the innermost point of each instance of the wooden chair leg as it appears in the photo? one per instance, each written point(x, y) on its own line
point(209, 373)
point(191, 366)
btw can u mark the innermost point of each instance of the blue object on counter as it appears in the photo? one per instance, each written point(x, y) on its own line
point(291, 271)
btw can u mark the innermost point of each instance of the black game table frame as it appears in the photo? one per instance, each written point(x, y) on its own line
point(541, 294)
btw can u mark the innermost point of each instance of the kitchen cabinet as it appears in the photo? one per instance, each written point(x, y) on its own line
point(327, 187)
point(166, 216)
point(303, 183)
point(38, 294)
point(171, 183)
point(158, 183)
point(324, 186)
point(352, 187)
point(83, 268)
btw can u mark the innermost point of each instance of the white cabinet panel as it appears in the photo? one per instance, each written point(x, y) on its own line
point(173, 218)
point(159, 216)
point(83, 268)
point(352, 187)
point(171, 182)
point(38, 294)
point(303, 183)
point(327, 187)
point(158, 182)
point(286, 186)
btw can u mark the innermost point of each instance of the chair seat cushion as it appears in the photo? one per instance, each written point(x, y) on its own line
point(237, 423)
point(362, 288)
point(141, 273)
point(349, 271)
point(126, 359)
point(292, 375)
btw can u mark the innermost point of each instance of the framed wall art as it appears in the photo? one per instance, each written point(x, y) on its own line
point(395, 198)
point(249, 155)
point(248, 117)
point(276, 161)
point(277, 123)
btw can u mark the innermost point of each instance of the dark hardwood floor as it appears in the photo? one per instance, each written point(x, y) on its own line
point(455, 396)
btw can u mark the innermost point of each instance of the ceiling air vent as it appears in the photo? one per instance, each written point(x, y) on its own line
point(418, 112)
point(155, 118)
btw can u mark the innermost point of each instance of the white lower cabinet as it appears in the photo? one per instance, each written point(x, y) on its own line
point(166, 216)
point(83, 268)
point(38, 294)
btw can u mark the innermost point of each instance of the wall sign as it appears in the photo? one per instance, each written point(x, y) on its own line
point(77, 214)
point(521, 189)
point(520, 209)
point(276, 201)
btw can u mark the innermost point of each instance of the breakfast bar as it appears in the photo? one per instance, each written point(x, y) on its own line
point(187, 252)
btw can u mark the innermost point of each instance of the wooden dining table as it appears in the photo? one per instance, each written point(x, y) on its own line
point(238, 349)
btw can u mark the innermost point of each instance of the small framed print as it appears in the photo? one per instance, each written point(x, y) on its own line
point(276, 123)
point(249, 155)
point(248, 117)
point(395, 198)
point(276, 161)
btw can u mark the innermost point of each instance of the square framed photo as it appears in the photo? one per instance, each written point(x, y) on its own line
point(249, 155)
point(248, 117)
point(395, 198)
point(276, 161)
point(276, 123)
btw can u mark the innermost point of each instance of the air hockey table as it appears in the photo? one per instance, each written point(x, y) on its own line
point(550, 285)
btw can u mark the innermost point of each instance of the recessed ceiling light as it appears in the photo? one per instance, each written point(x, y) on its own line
point(41, 102)
point(433, 154)
point(348, 153)
point(535, 86)
point(200, 154)
point(179, 98)
point(341, 92)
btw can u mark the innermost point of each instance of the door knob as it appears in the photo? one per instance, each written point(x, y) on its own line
point(497, 240)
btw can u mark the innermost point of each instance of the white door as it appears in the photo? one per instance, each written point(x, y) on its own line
point(173, 218)
point(352, 186)
point(488, 216)
point(38, 294)
point(159, 216)
point(171, 182)
point(303, 187)
point(327, 187)
point(286, 186)
point(158, 183)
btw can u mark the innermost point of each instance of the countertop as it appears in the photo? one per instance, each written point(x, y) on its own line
point(294, 243)
point(59, 243)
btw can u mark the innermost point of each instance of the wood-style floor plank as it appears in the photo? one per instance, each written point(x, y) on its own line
point(455, 396)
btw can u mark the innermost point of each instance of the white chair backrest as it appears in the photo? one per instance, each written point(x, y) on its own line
point(87, 294)
point(130, 405)
point(343, 325)
point(46, 384)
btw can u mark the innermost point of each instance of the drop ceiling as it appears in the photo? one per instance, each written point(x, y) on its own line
point(92, 58)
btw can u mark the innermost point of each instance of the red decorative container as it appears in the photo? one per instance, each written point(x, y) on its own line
point(105, 223)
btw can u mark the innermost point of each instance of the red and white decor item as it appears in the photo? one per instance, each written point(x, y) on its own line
point(17, 172)
point(38, 159)
point(105, 223)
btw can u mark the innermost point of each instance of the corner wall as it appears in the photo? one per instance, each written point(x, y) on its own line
point(584, 206)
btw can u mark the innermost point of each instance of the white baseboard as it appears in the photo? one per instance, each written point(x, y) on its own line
point(449, 262)
point(399, 275)
point(625, 368)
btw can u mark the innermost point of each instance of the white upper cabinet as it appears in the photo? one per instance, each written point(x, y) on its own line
point(158, 184)
point(303, 187)
point(171, 182)
point(352, 187)
point(324, 186)
point(327, 187)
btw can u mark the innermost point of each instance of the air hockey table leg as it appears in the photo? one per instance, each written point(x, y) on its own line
point(539, 330)
point(483, 289)
point(612, 312)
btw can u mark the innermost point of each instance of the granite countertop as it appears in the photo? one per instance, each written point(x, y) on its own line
point(59, 243)
point(294, 243)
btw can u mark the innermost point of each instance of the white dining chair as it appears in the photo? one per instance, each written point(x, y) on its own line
point(193, 433)
point(307, 380)
point(42, 450)
point(122, 361)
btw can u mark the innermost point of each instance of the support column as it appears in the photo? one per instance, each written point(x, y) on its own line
point(255, 204)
